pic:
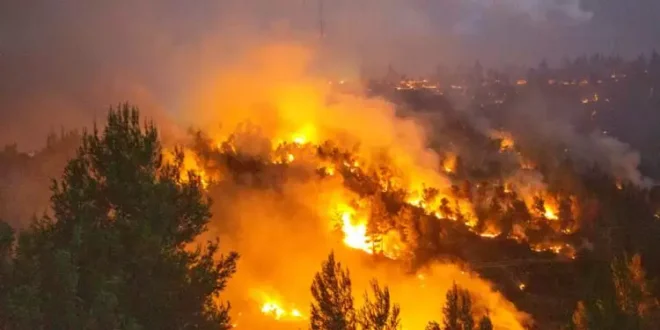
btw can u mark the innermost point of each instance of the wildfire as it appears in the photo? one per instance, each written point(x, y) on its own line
point(449, 163)
point(505, 138)
point(362, 152)
point(355, 232)
point(490, 233)
point(273, 309)
point(550, 214)
point(189, 165)
point(550, 207)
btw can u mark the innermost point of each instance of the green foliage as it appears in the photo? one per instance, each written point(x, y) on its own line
point(115, 253)
point(380, 314)
point(332, 308)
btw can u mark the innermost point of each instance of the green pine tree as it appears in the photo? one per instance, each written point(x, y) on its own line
point(458, 309)
point(380, 314)
point(332, 308)
point(485, 323)
point(114, 253)
point(626, 304)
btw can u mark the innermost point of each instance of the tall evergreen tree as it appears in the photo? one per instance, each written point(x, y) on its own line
point(633, 294)
point(332, 308)
point(114, 253)
point(458, 310)
point(485, 323)
point(626, 304)
point(380, 314)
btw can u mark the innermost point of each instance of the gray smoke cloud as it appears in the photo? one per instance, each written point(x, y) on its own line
point(62, 63)
point(538, 10)
point(539, 124)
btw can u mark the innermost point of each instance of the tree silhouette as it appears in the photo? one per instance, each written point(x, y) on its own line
point(485, 323)
point(627, 304)
point(332, 308)
point(432, 326)
point(458, 310)
point(380, 314)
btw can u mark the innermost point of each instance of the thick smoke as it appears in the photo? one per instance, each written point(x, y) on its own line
point(537, 124)
point(537, 10)
point(63, 63)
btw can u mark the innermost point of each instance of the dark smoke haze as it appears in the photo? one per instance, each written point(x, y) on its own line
point(63, 62)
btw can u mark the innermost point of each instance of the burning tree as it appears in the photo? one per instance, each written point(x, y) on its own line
point(114, 254)
point(625, 303)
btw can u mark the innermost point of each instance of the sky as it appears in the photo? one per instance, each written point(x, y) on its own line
point(61, 59)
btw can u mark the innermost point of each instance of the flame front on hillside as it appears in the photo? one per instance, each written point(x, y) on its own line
point(308, 175)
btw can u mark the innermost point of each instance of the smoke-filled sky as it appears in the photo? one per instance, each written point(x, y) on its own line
point(62, 60)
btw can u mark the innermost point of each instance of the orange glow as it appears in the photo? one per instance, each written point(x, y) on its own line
point(343, 155)
point(355, 231)
point(449, 163)
point(490, 232)
point(271, 308)
point(550, 214)
point(551, 207)
point(189, 165)
point(506, 140)
point(274, 307)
